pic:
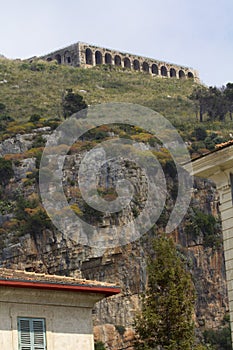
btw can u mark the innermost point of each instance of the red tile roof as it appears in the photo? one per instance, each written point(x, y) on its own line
point(23, 279)
point(217, 148)
point(224, 144)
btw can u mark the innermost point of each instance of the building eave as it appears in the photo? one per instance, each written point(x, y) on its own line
point(213, 162)
point(108, 291)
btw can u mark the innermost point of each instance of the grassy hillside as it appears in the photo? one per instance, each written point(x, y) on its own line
point(27, 89)
point(37, 88)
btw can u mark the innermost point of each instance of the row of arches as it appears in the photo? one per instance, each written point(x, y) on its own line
point(61, 59)
point(98, 58)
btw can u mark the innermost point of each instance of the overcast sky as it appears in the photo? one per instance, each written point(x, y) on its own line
point(196, 33)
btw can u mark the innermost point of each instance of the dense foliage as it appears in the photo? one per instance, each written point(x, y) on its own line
point(99, 345)
point(72, 103)
point(168, 303)
point(214, 102)
point(219, 339)
point(6, 171)
point(199, 223)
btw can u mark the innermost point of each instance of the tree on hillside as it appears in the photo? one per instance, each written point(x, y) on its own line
point(6, 171)
point(214, 102)
point(72, 103)
point(228, 93)
point(199, 96)
point(216, 105)
point(166, 317)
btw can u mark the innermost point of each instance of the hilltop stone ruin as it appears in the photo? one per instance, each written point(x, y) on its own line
point(86, 55)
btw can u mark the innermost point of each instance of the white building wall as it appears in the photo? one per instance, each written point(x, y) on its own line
point(226, 209)
point(68, 317)
point(218, 166)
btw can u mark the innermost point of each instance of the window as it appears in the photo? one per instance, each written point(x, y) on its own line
point(31, 333)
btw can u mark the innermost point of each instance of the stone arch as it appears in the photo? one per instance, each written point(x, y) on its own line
point(58, 58)
point(154, 69)
point(117, 60)
point(145, 67)
point(108, 58)
point(127, 63)
point(136, 65)
point(190, 75)
point(89, 56)
point(98, 57)
point(67, 57)
point(172, 73)
point(164, 71)
point(181, 74)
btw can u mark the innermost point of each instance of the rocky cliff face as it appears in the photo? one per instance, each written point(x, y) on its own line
point(54, 253)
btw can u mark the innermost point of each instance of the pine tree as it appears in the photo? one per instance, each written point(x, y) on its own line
point(166, 318)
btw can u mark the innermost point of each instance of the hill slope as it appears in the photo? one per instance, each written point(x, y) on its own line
point(29, 241)
point(29, 88)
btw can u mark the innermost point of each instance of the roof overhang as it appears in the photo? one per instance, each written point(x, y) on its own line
point(108, 291)
point(208, 165)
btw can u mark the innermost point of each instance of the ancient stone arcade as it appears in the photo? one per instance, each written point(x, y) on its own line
point(85, 55)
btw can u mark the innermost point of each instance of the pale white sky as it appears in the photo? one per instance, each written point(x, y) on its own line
point(193, 33)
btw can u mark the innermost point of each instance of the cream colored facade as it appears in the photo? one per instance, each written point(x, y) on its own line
point(218, 166)
point(67, 315)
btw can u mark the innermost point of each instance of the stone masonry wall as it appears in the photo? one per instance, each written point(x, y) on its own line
point(86, 55)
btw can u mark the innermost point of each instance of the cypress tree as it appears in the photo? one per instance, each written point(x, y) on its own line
point(166, 318)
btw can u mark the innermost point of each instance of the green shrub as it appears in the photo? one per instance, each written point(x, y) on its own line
point(120, 329)
point(33, 218)
point(170, 168)
point(2, 107)
point(219, 339)
point(200, 133)
point(6, 171)
point(201, 223)
point(163, 219)
point(39, 141)
point(38, 66)
point(34, 118)
point(6, 207)
point(72, 103)
point(99, 345)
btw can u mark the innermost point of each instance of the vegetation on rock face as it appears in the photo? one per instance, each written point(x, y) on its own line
point(219, 339)
point(6, 171)
point(39, 94)
point(120, 329)
point(166, 318)
point(31, 216)
point(199, 223)
point(99, 346)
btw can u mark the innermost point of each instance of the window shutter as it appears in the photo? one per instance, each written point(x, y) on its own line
point(38, 334)
point(24, 334)
point(31, 334)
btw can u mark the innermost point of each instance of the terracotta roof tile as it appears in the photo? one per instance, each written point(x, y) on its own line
point(11, 275)
point(218, 147)
point(224, 144)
